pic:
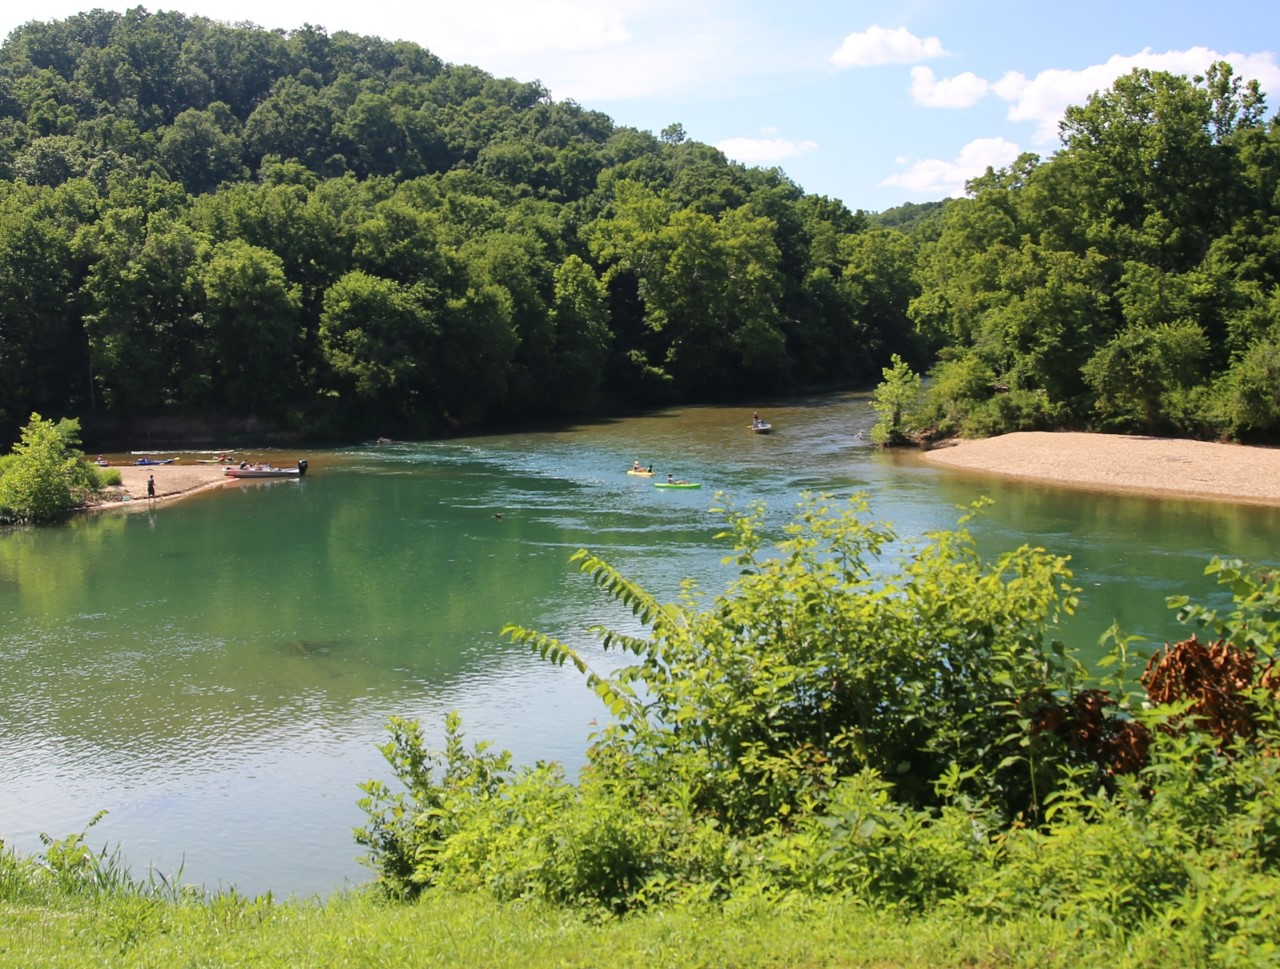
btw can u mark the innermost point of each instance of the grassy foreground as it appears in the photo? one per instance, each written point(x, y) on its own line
point(453, 930)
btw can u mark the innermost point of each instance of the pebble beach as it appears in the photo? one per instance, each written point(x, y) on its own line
point(1155, 466)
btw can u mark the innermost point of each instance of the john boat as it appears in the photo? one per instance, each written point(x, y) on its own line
point(266, 471)
point(155, 460)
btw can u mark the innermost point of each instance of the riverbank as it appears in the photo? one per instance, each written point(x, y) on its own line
point(1159, 467)
point(173, 481)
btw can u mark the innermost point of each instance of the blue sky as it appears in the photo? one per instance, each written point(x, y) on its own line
point(872, 103)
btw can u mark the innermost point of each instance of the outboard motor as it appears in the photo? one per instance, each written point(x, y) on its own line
point(302, 467)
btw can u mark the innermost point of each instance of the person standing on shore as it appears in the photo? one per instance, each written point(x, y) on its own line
point(151, 487)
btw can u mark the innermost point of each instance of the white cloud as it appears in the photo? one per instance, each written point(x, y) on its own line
point(1044, 98)
point(962, 91)
point(764, 151)
point(627, 73)
point(876, 46)
point(936, 176)
point(488, 28)
point(600, 50)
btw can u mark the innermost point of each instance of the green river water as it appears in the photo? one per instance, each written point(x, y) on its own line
point(217, 672)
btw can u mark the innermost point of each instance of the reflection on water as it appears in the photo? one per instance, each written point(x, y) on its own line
point(217, 672)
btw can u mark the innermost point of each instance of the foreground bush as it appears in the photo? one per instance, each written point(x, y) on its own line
point(45, 476)
point(902, 733)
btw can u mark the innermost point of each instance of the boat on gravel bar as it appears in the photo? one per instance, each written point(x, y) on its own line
point(246, 470)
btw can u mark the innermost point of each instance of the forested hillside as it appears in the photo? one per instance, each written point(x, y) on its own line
point(1129, 283)
point(202, 221)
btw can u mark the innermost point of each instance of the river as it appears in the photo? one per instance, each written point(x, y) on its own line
point(217, 673)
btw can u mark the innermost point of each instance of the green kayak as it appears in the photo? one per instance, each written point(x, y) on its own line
point(676, 484)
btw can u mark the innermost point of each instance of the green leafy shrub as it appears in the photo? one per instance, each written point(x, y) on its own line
point(898, 403)
point(1187, 841)
point(825, 660)
point(738, 721)
point(45, 475)
point(600, 850)
point(900, 732)
point(408, 827)
point(599, 842)
point(866, 843)
point(1012, 410)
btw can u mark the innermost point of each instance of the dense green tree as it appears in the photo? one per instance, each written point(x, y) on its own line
point(143, 311)
point(1144, 161)
point(1054, 310)
point(42, 348)
point(45, 475)
point(519, 163)
point(53, 160)
point(251, 313)
point(709, 288)
point(1248, 396)
point(520, 264)
point(472, 367)
point(240, 64)
point(379, 136)
point(402, 241)
point(879, 280)
point(1118, 284)
point(960, 271)
point(701, 180)
point(201, 150)
point(579, 314)
point(293, 123)
point(1133, 373)
point(378, 338)
point(575, 171)
point(897, 403)
point(309, 224)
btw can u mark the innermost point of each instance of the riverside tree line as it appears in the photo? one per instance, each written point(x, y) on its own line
point(330, 231)
point(202, 221)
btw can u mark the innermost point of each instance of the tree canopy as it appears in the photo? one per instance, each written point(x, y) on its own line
point(328, 231)
point(334, 230)
point(1128, 283)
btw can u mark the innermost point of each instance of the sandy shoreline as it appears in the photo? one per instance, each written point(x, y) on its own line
point(1158, 467)
point(173, 481)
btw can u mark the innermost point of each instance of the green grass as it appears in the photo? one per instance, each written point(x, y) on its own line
point(359, 929)
point(70, 907)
